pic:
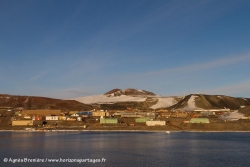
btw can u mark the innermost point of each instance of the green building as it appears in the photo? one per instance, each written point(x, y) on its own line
point(199, 120)
point(142, 120)
point(108, 120)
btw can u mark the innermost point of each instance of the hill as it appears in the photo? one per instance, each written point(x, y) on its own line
point(245, 110)
point(117, 99)
point(142, 99)
point(33, 102)
point(201, 101)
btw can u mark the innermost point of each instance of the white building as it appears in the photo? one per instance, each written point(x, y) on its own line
point(51, 118)
point(155, 123)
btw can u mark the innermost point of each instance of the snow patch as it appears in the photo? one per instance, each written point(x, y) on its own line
point(191, 104)
point(164, 102)
point(6, 97)
point(105, 99)
point(26, 100)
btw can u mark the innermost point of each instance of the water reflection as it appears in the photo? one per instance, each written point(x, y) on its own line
point(130, 149)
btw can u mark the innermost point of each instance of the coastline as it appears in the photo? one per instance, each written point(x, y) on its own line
point(173, 127)
point(107, 130)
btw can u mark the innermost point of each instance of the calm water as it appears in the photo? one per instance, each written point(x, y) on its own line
point(127, 148)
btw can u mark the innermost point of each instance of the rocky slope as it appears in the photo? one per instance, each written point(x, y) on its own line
point(200, 101)
point(245, 110)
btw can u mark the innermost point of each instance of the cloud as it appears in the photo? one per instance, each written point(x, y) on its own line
point(85, 65)
point(78, 92)
point(192, 78)
point(234, 89)
point(226, 61)
point(71, 92)
point(187, 16)
point(38, 76)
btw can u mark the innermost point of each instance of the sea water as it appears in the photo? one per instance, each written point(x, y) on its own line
point(124, 149)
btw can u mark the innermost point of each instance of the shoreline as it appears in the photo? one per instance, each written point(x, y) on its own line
point(102, 130)
point(174, 127)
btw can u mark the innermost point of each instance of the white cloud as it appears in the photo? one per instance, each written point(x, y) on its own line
point(226, 61)
point(234, 89)
point(38, 76)
point(77, 92)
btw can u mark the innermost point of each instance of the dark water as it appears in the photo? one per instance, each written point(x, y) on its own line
point(127, 148)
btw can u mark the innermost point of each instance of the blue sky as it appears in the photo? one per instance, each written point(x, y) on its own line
point(66, 49)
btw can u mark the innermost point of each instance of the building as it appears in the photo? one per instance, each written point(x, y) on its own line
point(38, 118)
point(85, 113)
point(179, 115)
point(75, 115)
point(147, 114)
point(162, 110)
point(131, 115)
point(155, 123)
point(164, 114)
point(108, 120)
point(213, 110)
point(42, 112)
point(199, 120)
point(22, 123)
point(118, 113)
point(62, 118)
point(71, 119)
point(51, 118)
point(207, 113)
point(100, 113)
point(142, 120)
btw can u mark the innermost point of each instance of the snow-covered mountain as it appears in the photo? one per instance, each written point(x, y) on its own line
point(117, 99)
point(129, 95)
point(101, 99)
point(141, 99)
point(129, 92)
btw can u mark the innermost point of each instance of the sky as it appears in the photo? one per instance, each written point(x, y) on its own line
point(67, 49)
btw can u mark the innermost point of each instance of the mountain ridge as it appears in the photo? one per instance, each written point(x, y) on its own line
point(128, 91)
point(117, 99)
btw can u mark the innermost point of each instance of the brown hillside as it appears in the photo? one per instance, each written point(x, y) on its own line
point(33, 102)
point(213, 102)
point(220, 101)
point(245, 111)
